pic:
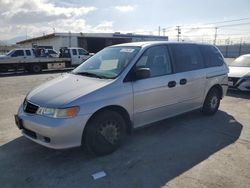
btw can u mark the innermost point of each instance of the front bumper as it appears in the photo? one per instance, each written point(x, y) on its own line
point(242, 84)
point(56, 133)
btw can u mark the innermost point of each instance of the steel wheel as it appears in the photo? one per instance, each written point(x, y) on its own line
point(104, 133)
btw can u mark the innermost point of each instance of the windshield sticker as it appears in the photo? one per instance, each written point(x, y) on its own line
point(127, 50)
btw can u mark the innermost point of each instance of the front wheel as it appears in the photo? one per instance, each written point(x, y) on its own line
point(104, 133)
point(212, 102)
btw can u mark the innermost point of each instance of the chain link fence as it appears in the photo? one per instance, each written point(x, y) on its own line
point(233, 51)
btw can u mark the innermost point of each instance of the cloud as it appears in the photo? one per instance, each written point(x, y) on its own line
point(125, 8)
point(104, 26)
point(34, 11)
point(36, 17)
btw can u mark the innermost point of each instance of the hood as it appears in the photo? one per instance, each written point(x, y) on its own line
point(238, 72)
point(3, 56)
point(65, 89)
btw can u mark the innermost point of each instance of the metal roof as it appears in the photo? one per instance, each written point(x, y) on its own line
point(97, 35)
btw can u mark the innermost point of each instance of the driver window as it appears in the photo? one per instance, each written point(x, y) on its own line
point(157, 60)
point(18, 53)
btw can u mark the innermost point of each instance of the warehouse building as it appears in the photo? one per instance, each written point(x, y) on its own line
point(93, 42)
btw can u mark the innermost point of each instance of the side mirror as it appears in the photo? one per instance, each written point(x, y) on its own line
point(142, 73)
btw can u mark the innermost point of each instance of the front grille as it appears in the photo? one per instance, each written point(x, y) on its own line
point(29, 107)
point(234, 80)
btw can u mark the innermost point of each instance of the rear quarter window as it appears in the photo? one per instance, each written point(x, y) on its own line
point(211, 55)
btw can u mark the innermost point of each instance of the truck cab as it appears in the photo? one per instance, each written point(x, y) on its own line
point(77, 55)
point(20, 53)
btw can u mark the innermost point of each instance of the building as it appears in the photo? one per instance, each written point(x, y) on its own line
point(6, 48)
point(93, 42)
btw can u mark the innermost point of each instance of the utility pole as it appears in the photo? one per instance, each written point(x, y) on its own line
point(178, 32)
point(159, 31)
point(215, 35)
point(163, 31)
point(240, 46)
point(26, 32)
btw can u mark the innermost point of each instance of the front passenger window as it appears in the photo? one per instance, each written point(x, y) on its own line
point(157, 60)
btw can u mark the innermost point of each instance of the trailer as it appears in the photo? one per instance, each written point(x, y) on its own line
point(36, 60)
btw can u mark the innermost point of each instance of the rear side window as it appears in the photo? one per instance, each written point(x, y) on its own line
point(211, 56)
point(28, 53)
point(186, 57)
point(74, 52)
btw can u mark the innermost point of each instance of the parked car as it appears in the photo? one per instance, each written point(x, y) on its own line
point(51, 53)
point(239, 73)
point(121, 88)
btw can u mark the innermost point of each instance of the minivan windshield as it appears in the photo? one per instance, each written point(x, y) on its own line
point(242, 61)
point(108, 63)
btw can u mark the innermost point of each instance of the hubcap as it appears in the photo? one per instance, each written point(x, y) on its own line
point(36, 68)
point(110, 131)
point(214, 102)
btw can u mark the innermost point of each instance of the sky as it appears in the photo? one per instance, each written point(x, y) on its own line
point(33, 18)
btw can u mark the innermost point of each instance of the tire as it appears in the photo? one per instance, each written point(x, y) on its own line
point(3, 69)
point(104, 133)
point(212, 102)
point(36, 68)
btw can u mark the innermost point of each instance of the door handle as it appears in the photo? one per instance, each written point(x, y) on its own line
point(172, 84)
point(183, 81)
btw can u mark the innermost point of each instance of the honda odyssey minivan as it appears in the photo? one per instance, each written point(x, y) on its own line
point(121, 88)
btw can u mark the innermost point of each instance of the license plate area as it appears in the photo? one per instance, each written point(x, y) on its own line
point(230, 83)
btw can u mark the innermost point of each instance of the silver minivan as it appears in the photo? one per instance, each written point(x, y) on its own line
point(121, 88)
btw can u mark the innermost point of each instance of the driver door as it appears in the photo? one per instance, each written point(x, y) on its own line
point(154, 97)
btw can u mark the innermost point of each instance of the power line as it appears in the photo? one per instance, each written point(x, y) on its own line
point(235, 20)
point(169, 28)
point(247, 23)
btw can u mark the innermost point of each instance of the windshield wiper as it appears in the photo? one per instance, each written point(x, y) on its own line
point(90, 74)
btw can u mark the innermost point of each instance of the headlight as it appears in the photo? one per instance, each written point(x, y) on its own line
point(58, 112)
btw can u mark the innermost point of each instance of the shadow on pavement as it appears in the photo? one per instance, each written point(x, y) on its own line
point(238, 94)
point(150, 157)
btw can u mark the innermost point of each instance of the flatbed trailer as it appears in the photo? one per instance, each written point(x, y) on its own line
point(35, 64)
point(27, 60)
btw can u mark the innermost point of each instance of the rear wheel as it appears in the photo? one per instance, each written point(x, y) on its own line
point(212, 102)
point(36, 68)
point(104, 133)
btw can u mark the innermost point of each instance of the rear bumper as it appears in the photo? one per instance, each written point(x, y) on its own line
point(51, 132)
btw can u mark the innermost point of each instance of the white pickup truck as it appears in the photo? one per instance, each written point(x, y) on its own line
point(77, 55)
point(34, 60)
